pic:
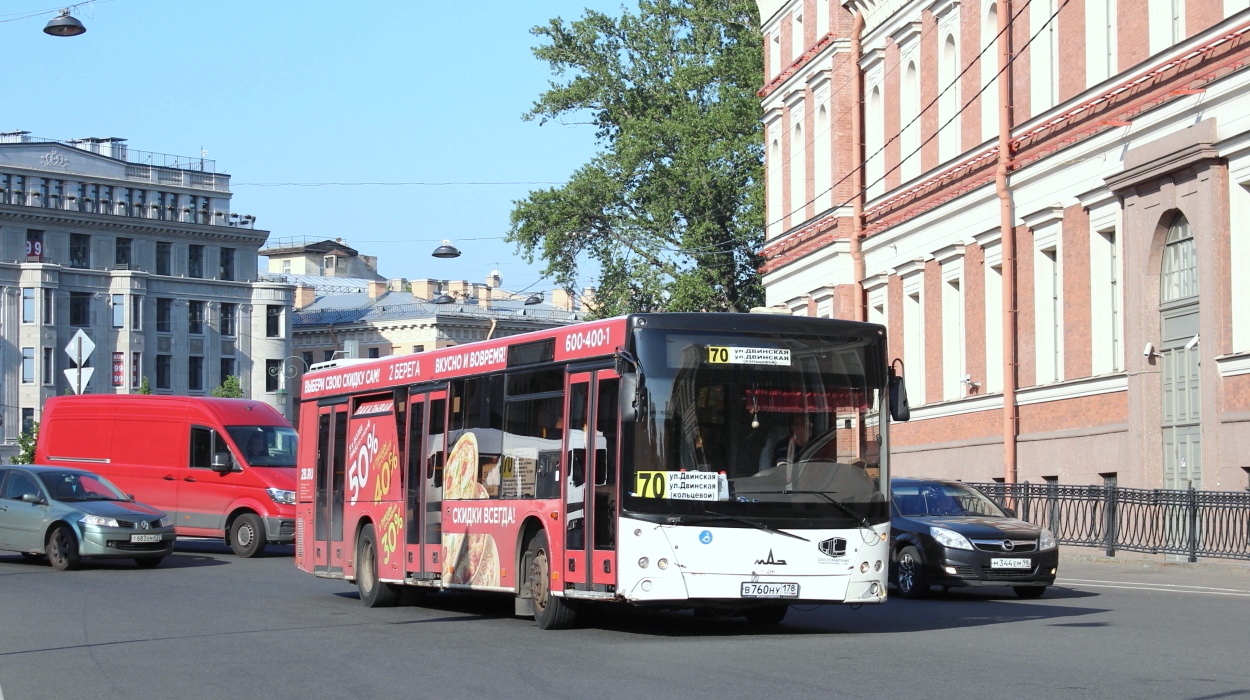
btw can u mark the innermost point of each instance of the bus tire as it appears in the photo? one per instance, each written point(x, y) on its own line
point(550, 612)
point(373, 592)
point(247, 536)
point(910, 577)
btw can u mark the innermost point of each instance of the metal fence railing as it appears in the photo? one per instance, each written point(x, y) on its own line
point(1193, 523)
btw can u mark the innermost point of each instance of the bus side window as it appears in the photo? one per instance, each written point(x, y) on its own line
point(438, 426)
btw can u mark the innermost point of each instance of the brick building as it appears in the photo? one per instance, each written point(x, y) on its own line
point(1047, 204)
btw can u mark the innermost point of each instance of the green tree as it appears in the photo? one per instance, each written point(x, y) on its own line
point(229, 388)
point(144, 386)
point(671, 208)
point(26, 446)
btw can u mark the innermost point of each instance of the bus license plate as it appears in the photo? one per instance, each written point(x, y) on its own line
point(770, 590)
point(145, 538)
point(1004, 563)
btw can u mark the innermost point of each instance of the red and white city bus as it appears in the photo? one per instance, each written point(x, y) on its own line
point(734, 462)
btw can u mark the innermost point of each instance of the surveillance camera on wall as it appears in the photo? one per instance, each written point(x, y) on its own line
point(1149, 350)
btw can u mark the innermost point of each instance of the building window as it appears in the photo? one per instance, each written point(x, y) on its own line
point(136, 313)
point(1049, 316)
point(418, 348)
point(989, 74)
point(228, 314)
point(49, 366)
point(195, 317)
point(164, 365)
point(164, 258)
point(273, 321)
point(227, 368)
point(329, 263)
point(79, 250)
point(28, 305)
point(953, 384)
point(308, 360)
point(286, 267)
point(49, 304)
point(136, 369)
point(327, 355)
point(28, 420)
point(913, 346)
point(80, 308)
point(195, 373)
point(993, 381)
point(28, 365)
point(948, 101)
point(1105, 301)
point(226, 264)
point(1043, 55)
point(195, 261)
point(373, 353)
point(273, 373)
point(122, 256)
point(164, 315)
point(119, 310)
point(34, 245)
point(909, 140)
point(798, 173)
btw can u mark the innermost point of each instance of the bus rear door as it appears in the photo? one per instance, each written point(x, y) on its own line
point(590, 490)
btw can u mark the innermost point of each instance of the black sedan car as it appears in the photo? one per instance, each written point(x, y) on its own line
point(944, 533)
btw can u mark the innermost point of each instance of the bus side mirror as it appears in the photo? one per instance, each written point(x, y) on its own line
point(629, 397)
point(900, 410)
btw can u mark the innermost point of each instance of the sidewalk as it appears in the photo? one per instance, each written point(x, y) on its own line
point(1089, 563)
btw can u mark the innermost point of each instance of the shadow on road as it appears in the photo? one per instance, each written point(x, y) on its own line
point(218, 547)
point(950, 611)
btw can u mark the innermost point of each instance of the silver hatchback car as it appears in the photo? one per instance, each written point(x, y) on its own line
point(68, 514)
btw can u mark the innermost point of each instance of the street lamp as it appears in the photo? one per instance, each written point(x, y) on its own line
point(290, 368)
point(446, 250)
point(64, 25)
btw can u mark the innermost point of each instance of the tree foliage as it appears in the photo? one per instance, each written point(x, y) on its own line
point(26, 446)
point(671, 208)
point(229, 388)
point(144, 386)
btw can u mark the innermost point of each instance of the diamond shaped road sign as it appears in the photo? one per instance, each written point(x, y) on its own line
point(79, 348)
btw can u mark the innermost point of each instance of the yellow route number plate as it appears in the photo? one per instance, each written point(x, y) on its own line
point(724, 355)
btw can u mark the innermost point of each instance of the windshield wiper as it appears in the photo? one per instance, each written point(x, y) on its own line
point(836, 504)
point(710, 515)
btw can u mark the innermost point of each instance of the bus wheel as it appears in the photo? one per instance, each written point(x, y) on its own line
point(550, 612)
point(247, 535)
point(373, 592)
point(766, 615)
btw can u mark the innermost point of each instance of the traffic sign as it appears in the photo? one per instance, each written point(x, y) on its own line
point(79, 377)
point(80, 347)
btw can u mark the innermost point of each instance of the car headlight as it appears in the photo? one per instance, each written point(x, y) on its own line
point(166, 521)
point(98, 520)
point(950, 538)
point(1046, 540)
point(281, 496)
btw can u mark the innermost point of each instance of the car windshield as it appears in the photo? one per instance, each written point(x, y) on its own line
point(918, 498)
point(770, 427)
point(70, 487)
point(264, 445)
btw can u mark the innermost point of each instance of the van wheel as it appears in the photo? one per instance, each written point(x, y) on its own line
point(247, 535)
point(373, 592)
point(550, 612)
point(63, 549)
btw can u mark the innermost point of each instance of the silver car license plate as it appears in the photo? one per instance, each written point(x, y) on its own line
point(770, 590)
point(1010, 563)
point(145, 538)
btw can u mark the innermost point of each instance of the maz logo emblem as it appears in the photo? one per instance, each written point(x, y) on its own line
point(770, 560)
point(833, 547)
point(53, 159)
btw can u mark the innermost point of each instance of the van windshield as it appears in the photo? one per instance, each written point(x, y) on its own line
point(264, 445)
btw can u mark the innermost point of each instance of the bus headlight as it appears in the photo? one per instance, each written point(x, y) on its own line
point(863, 568)
point(643, 562)
point(663, 564)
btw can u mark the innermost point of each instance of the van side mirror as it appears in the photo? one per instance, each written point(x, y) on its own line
point(223, 462)
point(900, 410)
point(629, 397)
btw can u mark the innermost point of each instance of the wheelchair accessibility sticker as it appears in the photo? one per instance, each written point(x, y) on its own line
point(705, 537)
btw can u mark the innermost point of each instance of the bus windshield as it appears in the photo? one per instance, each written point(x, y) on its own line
point(264, 445)
point(782, 429)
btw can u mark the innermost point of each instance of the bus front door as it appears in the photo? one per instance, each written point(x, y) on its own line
point(330, 488)
point(423, 529)
point(591, 456)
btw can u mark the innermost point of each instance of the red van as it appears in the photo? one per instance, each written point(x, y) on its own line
point(219, 467)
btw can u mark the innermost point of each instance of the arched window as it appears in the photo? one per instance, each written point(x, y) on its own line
point(775, 202)
point(948, 102)
point(820, 161)
point(910, 123)
point(873, 144)
point(1179, 276)
point(798, 175)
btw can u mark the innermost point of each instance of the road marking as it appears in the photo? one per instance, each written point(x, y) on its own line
point(1163, 587)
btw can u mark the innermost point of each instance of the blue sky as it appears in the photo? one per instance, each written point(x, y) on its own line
point(279, 91)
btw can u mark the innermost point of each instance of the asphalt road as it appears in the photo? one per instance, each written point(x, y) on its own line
point(209, 625)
